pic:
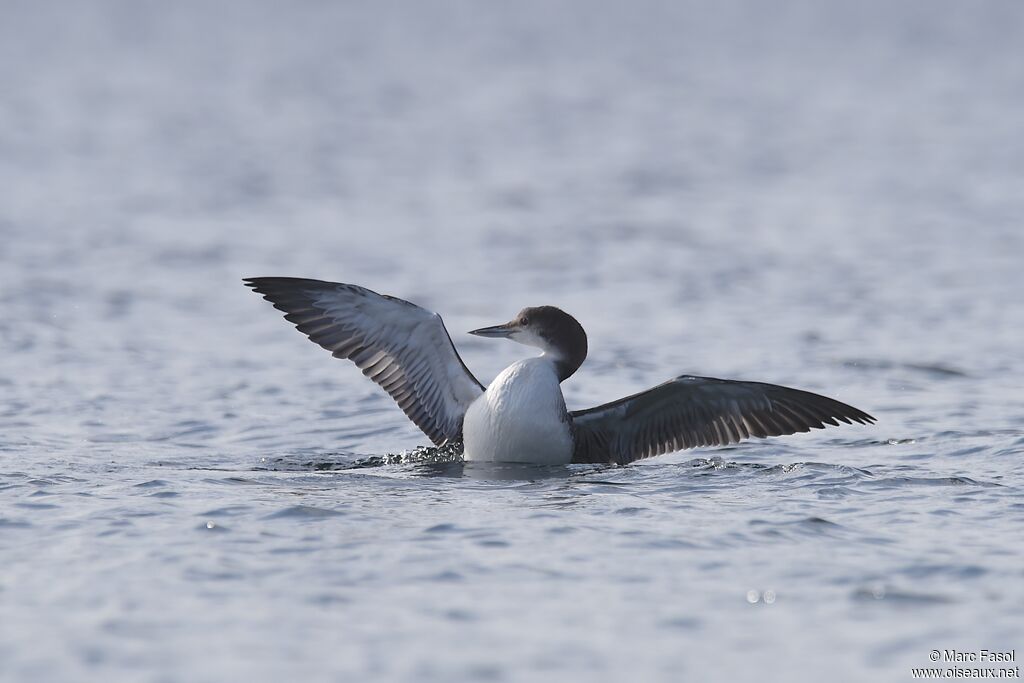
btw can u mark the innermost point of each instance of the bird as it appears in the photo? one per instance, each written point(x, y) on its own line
point(521, 416)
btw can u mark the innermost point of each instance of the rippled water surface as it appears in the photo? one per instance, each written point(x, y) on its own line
point(823, 195)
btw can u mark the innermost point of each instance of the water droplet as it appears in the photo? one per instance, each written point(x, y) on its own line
point(769, 597)
point(753, 596)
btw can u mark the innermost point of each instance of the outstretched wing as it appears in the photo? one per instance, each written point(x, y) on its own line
point(687, 412)
point(400, 346)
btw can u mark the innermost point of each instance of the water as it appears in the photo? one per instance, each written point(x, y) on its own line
point(823, 195)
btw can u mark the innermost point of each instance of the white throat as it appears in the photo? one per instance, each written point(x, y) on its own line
point(528, 337)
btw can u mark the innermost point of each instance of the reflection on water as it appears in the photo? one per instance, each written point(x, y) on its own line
point(489, 471)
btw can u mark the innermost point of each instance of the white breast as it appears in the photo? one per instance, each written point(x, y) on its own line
point(520, 418)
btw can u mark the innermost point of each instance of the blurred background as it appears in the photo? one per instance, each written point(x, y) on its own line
point(715, 181)
point(822, 194)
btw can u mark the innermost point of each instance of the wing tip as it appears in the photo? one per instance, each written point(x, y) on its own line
point(287, 292)
point(265, 285)
point(263, 281)
point(851, 415)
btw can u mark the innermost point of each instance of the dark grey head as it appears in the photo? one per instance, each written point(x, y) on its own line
point(550, 329)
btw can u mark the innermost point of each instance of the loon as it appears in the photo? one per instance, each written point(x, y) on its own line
point(521, 416)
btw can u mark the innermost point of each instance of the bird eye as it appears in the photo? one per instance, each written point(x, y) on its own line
point(525, 320)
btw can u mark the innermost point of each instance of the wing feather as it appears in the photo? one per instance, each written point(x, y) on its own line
point(690, 411)
point(403, 348)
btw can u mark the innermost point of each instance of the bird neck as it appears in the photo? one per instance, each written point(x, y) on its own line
point(566, 361)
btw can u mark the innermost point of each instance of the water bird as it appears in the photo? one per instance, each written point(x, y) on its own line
point(521, 416)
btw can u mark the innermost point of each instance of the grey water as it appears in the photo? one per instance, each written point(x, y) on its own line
point(823, 195)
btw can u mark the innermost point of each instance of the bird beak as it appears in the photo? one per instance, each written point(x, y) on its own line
point(497, 331)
